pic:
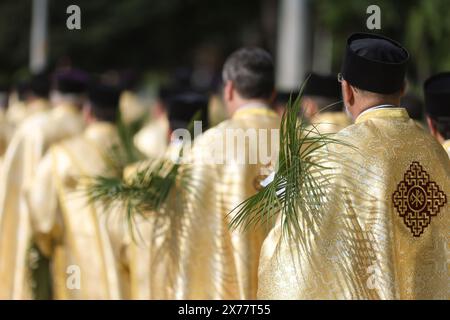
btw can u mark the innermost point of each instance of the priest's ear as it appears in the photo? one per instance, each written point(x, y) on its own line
point(228, 91)
point(348, 94)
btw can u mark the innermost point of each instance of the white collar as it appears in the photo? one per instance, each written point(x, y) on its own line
point(381, 106)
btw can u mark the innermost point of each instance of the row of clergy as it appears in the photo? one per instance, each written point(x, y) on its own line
point(380, 232)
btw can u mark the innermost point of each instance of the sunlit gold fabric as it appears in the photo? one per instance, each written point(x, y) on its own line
point(5, 133)
point(214, 262)
point(19, 111)
point(362, 248)
point(24, 152)
point(16, 112)
point(131, 108)
point(152, 139)
point(69, 229)
point(143, 249)
point(446, 146)
point(330, 122)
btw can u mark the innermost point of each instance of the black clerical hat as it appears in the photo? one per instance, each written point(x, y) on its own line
point(437, 95)
point(374, 63)
point(323, 86)
point(182, 107)
point(104, 95)
point(40, 85)
point(104, 100)
point(71, 81)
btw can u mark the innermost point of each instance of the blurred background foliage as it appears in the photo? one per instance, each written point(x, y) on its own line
point(422, 26)
point(161, 34)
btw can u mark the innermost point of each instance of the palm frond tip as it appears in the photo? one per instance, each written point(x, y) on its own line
point(301, 182)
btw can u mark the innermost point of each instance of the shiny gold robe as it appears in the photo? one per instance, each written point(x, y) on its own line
point(5, 133)
point(19, 111)
point(330, 122)
point(24, 152)
point(131, 108)
point(152, 139)
point(65, 226)
point(446, 146)
point(143, 251)
point(385, 229)
point(214, 262)
point(14, 115)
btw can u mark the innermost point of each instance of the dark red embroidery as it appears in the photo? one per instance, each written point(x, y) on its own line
point(417, 199)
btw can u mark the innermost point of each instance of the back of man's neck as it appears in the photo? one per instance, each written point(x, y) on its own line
point(378, 104)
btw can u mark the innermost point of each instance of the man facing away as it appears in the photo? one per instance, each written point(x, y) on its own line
point(437, 105)
point(383, 230)
point(67, 228)
point(148, 252)
point(27, 147)
point(227, 164)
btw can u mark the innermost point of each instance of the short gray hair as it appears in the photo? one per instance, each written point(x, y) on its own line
point(252, 72)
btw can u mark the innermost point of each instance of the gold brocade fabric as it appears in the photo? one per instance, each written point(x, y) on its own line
point(148, 251)
point(16, 112)
point(5, 133)
point(21, 159)
point(152, 140)
point(330, 122)
point(68, 229)
point(446, 146)
point(19, 111)
point(384, 233)
point(213, 261)
point(131, 108)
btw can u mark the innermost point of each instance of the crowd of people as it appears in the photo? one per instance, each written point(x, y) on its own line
point(360, 212)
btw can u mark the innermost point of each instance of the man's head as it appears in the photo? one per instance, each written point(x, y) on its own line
point(248, 75)
point(437, 105)
point(35, 87)
point(321, 94)
point(103, 103)
point(373, 72)
point(39, 86)
point(183, 106)
point(69, 86)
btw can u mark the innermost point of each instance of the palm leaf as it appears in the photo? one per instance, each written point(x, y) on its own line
point(299, 190)
point(149, 186)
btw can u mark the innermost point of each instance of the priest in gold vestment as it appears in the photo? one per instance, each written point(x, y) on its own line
point(27, 147)
point(226, 165)
point(152, 139)
point(68, 229)
point(150, 252)
point(383, 230)
point(31, 96)
point(437, 107)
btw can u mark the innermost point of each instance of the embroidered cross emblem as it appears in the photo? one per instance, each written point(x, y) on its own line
point(418, 199)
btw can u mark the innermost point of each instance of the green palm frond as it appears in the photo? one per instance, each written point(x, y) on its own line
point(147, 189)
point(299, 190)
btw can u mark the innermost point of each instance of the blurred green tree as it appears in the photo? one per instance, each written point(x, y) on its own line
point(421, 25)
point(133, 33)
